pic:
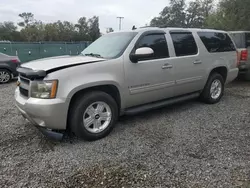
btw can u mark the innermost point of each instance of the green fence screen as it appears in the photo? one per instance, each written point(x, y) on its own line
point(30, 51)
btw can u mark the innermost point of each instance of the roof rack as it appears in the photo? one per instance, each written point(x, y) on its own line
point(148, 27)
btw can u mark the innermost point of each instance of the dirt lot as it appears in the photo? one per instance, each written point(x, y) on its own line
point(185, 145)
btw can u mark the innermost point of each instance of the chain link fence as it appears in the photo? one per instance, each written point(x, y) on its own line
point(36, 50)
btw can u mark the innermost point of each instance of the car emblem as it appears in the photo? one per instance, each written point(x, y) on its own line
point(18, 83)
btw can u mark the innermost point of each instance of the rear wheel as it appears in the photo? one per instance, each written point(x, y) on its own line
point(93, 115)
point(214, 89)
point(247, 75)
point(5, 76)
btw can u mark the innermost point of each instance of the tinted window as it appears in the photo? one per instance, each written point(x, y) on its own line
point(248, 39)
point(157, 42)
point(184, 44)
point(217, 42)
point(239, 39)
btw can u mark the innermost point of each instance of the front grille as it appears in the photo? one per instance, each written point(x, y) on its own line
point(24, 86)
point(24, 80)
point(24, 92)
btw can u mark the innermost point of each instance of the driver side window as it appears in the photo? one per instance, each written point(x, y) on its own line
point(157, 42)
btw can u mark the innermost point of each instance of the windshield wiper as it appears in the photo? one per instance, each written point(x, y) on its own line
point(93, 55)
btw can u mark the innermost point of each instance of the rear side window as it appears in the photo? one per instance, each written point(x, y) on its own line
point(217, 42)
point(184, 43)
point(157, 42)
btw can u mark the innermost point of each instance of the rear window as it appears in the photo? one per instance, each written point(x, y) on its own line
point(217, 42)
point(239, 39)
point(184, 43)
point(247, 39)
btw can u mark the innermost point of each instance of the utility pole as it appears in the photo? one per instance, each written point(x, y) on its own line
point(120, 22)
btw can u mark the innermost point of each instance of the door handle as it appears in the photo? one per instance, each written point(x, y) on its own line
point(167, 66)
point(197, 62)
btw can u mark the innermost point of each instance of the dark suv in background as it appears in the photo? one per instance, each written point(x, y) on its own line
point(8, 65)
point(242, 41)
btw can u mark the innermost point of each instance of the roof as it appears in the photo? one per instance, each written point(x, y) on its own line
point(143, 29)
point(239, 31)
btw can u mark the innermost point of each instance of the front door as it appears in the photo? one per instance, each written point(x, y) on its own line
point(150, 79)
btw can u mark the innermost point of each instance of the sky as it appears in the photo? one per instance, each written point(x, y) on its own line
point(135, 12)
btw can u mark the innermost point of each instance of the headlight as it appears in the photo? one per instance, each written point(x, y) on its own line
point(44, 89)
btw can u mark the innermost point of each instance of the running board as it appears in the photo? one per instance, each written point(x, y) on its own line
point(159, 104)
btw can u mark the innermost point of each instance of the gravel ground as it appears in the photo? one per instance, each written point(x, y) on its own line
point(185, 145)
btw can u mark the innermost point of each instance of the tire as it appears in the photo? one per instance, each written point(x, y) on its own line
point(247, 76)
point(211, 97)
point(5, 76)
point(85, 109)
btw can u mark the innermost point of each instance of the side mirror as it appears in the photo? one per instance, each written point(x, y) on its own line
point(144, 52)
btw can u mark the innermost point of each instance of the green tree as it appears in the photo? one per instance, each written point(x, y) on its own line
point(171, 16)
point(28, 19)
point(93, 31)
point(8, 31)
point(51, 32)
point(207, 7)
point(230, 15)
point(9, 26)
point(194, 14)
point(178, 14)
point(34, 32)
point(66, 30)
point(40, 33)
point(197, 12)
point(82, 29)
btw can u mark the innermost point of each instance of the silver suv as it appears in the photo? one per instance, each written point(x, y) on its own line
point(124, 73)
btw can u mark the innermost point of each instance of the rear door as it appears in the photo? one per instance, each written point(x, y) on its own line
point(219, 50)
point(188, 66)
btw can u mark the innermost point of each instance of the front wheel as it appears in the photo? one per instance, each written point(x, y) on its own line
point(5, 76)
point(93, 115)
point(214, 89)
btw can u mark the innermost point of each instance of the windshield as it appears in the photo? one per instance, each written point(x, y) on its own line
point(110, 46)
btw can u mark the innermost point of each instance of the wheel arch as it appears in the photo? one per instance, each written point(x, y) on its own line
point(110, 89)
point(6, 68)
point(222, 70)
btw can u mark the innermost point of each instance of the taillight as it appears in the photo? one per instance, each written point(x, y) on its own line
point(15, 61)
point(244, 55)
point(238, 58)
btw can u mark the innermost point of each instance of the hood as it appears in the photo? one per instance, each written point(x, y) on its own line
point(58, 62)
